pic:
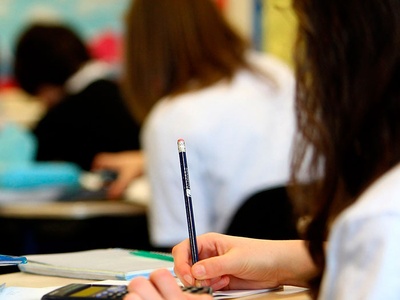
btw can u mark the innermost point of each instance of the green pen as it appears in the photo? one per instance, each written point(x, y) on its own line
point(151, 254)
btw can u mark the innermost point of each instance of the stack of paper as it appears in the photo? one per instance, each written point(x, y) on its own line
point(99, 264)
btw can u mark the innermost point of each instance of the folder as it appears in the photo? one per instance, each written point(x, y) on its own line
point(97, 264)
point(7, 260)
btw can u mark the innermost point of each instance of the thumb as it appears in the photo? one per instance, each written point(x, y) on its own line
point(215, 267)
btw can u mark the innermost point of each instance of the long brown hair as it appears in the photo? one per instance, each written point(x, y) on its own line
point(173, 46)
point(348, 105)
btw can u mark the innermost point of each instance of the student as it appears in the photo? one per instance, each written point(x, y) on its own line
point(348, 70)
point(189, 75)
point(85, 111)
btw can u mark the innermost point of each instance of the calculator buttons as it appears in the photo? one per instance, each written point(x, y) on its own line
point(114, 293)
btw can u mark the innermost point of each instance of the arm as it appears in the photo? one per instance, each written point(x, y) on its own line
point(128, 165)
point(228, 262)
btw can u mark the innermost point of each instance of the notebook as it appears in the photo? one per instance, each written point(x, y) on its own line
point(97, 264)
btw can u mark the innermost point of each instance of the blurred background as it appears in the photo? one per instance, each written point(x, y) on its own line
point(269, 24)
point(98, 22)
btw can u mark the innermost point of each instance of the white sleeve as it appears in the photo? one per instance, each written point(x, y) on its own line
point(363, 259)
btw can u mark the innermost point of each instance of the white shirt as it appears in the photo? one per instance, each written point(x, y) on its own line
point(238, 138)
point(363, 256)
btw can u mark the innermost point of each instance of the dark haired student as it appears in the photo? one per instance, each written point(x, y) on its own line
point(85, 111)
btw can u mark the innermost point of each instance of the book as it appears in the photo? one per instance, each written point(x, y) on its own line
point(97, 264)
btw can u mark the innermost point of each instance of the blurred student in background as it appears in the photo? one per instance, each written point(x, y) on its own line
point(85, 111)
point(348, 105)
point(189, 75)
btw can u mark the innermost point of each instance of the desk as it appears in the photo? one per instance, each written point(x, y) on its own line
point(75, 210)
point(51, 227)
point(29, 280)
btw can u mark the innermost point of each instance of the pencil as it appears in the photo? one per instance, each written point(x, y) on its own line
point(188, 200)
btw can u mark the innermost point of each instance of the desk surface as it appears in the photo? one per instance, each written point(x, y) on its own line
point(71, 210)
point(30, 280)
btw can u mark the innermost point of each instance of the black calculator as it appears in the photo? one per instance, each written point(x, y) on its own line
point(76, 291)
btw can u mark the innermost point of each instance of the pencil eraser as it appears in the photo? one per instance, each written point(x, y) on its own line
point(181, 145)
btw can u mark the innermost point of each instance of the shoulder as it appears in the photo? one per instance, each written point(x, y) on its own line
point(374, 215)
point(382, 197)
point(99, 94)
point(364, 245)
point(277, 81)
point(102, 86)
point(272, 66)
point(268, 61)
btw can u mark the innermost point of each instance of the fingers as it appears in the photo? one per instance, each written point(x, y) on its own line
point(166, 284)
point(161, 285)
point(132, 296)
point(103, 161)
point(198, 275)
point(141, 289)
point(182, 268)
point(115, 191)
point(216, 266)
point(128, 165)
point(120, 160)
point(119, 185)
point(224, 262)
point(182, 258)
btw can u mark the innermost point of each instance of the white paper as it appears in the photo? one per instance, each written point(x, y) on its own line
point(240, 293)
point(23, 293)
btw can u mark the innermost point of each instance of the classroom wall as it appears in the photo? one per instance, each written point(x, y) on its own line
point(269, 24)
point(280, 27)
